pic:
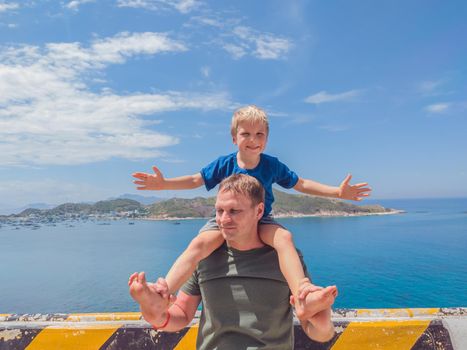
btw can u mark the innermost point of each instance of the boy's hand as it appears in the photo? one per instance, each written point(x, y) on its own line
point(353, 192)
point(149, 181)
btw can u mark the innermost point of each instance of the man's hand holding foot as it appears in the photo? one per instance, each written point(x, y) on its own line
point(313, 309)
point(153, 298)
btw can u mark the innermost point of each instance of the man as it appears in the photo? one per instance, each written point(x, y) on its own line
point(245, 297)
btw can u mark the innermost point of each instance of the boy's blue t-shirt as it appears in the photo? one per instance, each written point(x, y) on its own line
point(269, 170)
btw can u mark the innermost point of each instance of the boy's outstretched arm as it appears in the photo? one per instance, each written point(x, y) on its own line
point(157, 181)
point(345, 190)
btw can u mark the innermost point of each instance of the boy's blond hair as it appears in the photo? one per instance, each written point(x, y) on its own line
point(250, 114)
point(243, 184)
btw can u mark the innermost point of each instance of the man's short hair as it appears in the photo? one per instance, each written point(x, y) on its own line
point(243, 184)
point(250, 114)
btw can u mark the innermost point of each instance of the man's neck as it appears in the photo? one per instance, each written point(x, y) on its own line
point(245, 247)
point(248, 162)
point(251, 241)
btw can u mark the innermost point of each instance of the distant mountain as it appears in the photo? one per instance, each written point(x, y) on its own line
point(146, 200)
point(284, 205)
point(32, 206)
point(199, 207)
point(101, 207)
point(299, 204)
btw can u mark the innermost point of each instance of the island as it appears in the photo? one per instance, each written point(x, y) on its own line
point(285, 205)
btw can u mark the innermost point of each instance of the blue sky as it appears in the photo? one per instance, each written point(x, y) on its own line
point(91, 91)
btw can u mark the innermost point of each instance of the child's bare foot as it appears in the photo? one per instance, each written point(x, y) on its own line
point(313, 299)
point(152, 298)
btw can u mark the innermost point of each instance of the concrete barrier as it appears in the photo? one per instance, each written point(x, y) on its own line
point(395, 329)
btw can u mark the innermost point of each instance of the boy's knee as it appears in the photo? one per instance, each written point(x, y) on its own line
point(275, 235)
point(205, 242)
point(198, 243)
point(283, 236)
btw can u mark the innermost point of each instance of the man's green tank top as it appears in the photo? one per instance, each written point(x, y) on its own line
point(245, 301)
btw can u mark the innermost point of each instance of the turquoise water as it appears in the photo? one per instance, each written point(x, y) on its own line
point(417, 259)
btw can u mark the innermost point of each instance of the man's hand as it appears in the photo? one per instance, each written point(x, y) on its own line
point(162, 288)
point(353, 192)
point(152, 298)
point(147, 181)
point(312, 299)
point(314, 310)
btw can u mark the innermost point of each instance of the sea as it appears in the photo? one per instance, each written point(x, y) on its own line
point(410, 260)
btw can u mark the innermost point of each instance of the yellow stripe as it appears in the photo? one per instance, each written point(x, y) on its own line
point(426, 311)
point(79, 338)
point(188, 342)
point(384, 335)
point(116, 316)
point(397, 312)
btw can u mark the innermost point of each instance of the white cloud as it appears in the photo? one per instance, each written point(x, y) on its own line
point(183, 6)
point(434, 88)
point(208, 21)
point(269, 47)
point(323, 97)
point(73, 5)
point(438, 108)
point(49, 115)
point(206, 71)
point(429, 86)
point(145, 4)
point(236, 51)
point(8, 6)
point(261, 45)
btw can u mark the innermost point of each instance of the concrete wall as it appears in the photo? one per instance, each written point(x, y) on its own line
point(397, 329)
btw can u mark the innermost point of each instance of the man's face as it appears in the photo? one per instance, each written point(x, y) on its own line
point(237, 217)
point(251, 138)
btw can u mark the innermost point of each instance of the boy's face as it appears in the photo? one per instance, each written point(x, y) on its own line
point(251, 138)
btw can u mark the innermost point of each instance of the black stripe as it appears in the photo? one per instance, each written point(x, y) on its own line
point(142, 338)
point(18, 343)
point(435, 337)
point(303, 342)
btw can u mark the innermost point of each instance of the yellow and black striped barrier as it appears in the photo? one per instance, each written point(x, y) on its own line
point(395, 329)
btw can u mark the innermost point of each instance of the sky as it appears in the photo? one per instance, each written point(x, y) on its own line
point(91, 91)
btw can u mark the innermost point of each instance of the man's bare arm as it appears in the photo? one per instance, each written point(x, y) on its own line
point(182, 311)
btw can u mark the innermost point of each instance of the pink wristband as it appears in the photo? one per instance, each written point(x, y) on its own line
point(165, 323)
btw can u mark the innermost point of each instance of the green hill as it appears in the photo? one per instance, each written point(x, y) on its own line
point(200, 207)
point(101, 207)
point(285, 205)
point(298, 204)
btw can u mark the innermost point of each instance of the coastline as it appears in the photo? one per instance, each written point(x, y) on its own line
point(324, 214)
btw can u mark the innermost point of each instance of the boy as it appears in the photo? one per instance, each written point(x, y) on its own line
point(249, 129)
